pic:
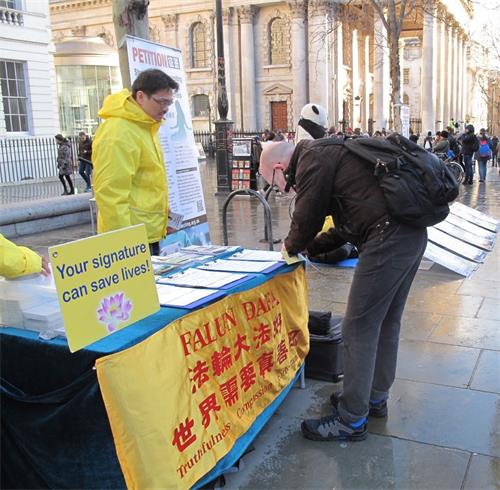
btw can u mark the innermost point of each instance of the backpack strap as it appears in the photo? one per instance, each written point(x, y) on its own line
point(292, 168)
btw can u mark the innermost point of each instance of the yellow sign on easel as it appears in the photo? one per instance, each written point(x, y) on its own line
point(104, 283)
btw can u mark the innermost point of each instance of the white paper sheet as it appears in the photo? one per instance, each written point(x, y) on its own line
point(239, 265)
point(202, 278)
point(258, 255)
point(176, 296)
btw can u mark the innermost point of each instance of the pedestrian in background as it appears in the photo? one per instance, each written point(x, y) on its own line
point(494, 151)
point(428, 141)
point(65, 163)
point(130, 181)
point(470, 144)
point(483, 154)
point(85, 159)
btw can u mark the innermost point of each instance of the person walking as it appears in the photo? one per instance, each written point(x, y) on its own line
point(130, 181)
point(494, 151)
point(65, 163)
point(85, 159)
point(428, 142)
point(470, 144)
point(332, 180)
point(483, 155)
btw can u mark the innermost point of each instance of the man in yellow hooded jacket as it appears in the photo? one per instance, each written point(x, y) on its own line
point(18, 261)
point(130, 183)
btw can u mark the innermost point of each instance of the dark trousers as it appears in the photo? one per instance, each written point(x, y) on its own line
point(154, 248)
point(387, 265)
point(468, 168)
point(85, 170)
point(64, 179)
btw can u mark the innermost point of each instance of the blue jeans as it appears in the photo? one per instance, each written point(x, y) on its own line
point(85, 170)
point(468, 168)
point(483, 164)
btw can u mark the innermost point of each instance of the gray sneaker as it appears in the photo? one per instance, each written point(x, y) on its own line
point(332, 428)
point(377, 409)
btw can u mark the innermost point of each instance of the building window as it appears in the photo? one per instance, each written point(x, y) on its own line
point(10, 4)
point(406, 76)
point(406, 99)
point(15, 102)
point(278, 42)
point(199, 49)
point(201, 107)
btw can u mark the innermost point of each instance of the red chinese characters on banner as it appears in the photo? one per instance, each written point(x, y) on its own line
point(229, 391)
point(240, 346)
point(277, 323)
point(247, 375)
point(209, 404)
point(281, 352)
point(262, 335)
point(265, 363)
point(200, 375)
point(293, 338)
point(183, 435)
point(221, 361)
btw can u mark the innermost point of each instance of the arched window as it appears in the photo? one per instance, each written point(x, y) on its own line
point(200, 105)
point(199, 48)
point(278, 42)
point(406, 99)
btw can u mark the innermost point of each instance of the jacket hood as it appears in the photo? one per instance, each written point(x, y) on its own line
point(124, 106)
point(470, 128)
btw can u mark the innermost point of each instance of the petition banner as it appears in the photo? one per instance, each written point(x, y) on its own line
point(179, 400)
point(104, 283)
point(185, 192)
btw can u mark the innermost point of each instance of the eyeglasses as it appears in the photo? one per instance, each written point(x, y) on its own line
point(162, 101)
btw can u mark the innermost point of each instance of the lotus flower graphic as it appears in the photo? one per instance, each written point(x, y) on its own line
point(114, 310)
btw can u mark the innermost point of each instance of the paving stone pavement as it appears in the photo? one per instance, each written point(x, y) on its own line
point(443, 429)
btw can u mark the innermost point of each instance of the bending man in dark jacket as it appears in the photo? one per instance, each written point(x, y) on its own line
point(330, 180)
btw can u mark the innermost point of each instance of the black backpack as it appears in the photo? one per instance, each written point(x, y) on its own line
point(416, 184)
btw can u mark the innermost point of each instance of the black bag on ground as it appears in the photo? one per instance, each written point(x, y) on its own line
point(325, 360)
point(417, 185)
point(319, 322)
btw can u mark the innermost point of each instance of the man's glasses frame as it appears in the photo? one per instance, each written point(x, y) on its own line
point(162, 102)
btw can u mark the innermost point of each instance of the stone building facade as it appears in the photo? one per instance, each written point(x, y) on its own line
point(27, 78)
point(281, 55)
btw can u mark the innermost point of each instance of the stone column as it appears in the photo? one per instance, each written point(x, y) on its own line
point(465, 74)
point(227, 20)
point(448, 66)
point(299, 57)
point(454, 103)
point(356, 113)
point(246, 14)
point(170, 23)
point(441, 73)
point(461, 77)
point(367, 83)
point(427, 95)
point(338, 69)
point(380, 87)
point(436, 65)
point(318, 56)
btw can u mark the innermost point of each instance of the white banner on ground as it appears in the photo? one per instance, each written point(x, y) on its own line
point(185, 191)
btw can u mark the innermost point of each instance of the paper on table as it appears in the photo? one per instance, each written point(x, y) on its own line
point(291, 259)
point(169, 295)
point(210, 249)
point(202, 278)
point(241, 266)
point(258, 255)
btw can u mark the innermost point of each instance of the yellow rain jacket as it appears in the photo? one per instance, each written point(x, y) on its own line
point(130, 183)
point(17, 261)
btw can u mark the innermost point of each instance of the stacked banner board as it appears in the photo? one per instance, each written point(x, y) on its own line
point(462, 241)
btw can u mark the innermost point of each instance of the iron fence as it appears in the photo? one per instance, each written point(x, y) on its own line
point(30, 158)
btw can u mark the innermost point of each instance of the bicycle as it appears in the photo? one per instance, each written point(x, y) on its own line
point(455, 168)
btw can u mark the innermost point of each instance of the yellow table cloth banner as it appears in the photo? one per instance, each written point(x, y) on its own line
point(179, 400)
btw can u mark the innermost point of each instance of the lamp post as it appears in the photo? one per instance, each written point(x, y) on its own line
point(223, 126)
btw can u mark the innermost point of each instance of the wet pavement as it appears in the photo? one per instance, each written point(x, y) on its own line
point(443, 429)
